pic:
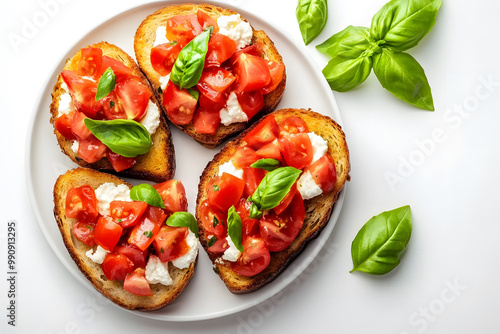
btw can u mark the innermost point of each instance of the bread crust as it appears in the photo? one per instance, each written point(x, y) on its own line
point(113, 290)
point(158, 164)
point(143, 43)
point(318, 209)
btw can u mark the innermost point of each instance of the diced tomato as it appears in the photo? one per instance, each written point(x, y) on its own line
point(119, 162)
point(137, 256)
point(263, 133)
point(254, 49)
point(207, 104)
point(170, 243)
point(286, 201)
point(215, 83)
point(112, 107)
point(220, 49)
point(206, 121)
point(179, 104)
point(63, 126)
point(91, 149)
point(107, 233)
point(278, 231)
point(254, 259)
point(244, 156)
point(163, 57)
point(292, 125)
point(270, 151)
point(225, 191)
point(84, 232)
point(134, 96)
point(136, 283)
point(183, 28)
point(173, 194)
point(126, 213)
point(213, 220)
point(252, 73)
point(250, 226)
point(252, 178)
point(81, 203)
point(251, 102)
point(323, 173)
point(121, 71)
point(78, 126)
point(90, 63)
point(143, 233)
point(219, 246)
point(117, 266)
point(83, 93)
point(277, 70)
point(297, 150)
point(206, 21)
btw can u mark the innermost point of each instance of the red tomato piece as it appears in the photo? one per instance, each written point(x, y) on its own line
point(220, 49)
point(84, 232)
point(107, 233)
point(126, 213)
point(254, 259)
point(206, 21)
point(143, 233)
point(286, 201)
point(173, 194)
point(81, 203)
point(206, 103)
point(78, 127)
point(292, 125)
point(119, 69)
point(90, 63)
point(112, 107)
point(213, 220)
point(252, 178)
point(183, 28)
point(117, 266)
point(134, 96)
point(179, 104)
point(252, 73)
point(137, 256)
point(244, 156)
point(219, 246)
point(265, 132)
point(250, 226)
point(324, 173)
point(251, 102)
point(276, 70)
point(170, 242)
point(136, 283)
point(270, 151)
point(163, 57)
point(82, 92)
point(278, 231)
point(206, 121)
point(119, 162)
point(215, 83)
point(255, 50)
point(225, 191)
point(297, 150)
point(91, 149)
point(63, 126)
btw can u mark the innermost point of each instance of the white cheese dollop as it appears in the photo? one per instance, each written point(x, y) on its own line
point(231, 254)
point(319, 145)
point(75, 146)
point(151, 119)
point(161, 36)
point(66, 104)
point(98, 255)
point(164, 81)
point(188, 258)
point(232, 112)
point(235, 28)
point(307, 187)
point(108, 192)
point(229, 168)
point(157, 271)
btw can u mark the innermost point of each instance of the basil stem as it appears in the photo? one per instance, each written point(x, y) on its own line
point(266, 164)
point(380, 243)
point(183, 219)
point(311, 17)
point(234, 227)
point(146, 193)
point(188, 67)
point(106, 84)
point(122, 136)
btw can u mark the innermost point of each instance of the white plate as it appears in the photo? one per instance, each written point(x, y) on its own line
point(206, 297)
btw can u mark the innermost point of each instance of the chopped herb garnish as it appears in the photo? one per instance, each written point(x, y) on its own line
point(111, 104)
point(161, 250)
point(212, 241)
point(148, 234)
point(216, 187)
point(89, 227)
point(160, 91)
point(216, 222)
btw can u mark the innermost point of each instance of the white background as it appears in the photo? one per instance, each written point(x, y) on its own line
point(445, 162)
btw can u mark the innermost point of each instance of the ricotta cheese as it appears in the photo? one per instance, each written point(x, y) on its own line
point(75, 146)
point(65, 102)
point(235, 28)
point(108, 192)
point(319, 145)
point(232, 253)
point(232, 112)
point(164, 81)
point(98, 255)
point(151, 120)
point(307, 187)
point(229, 168)
point(157, 271)
point(188, 258)
point(161, 36)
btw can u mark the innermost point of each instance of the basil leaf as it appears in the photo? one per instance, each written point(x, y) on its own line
point(274, 187)
point(188, 67)
point(123, 136)
point(311, 16)
point(234, 227)
point(254, 212)
point(183, 219)
point(212, 241)
point(402, 75)
point(266, 164)
point(380, 243)
point(343, 73)
point(106, 84)
point(146, 193)
point(403, 23)
point(352, 41)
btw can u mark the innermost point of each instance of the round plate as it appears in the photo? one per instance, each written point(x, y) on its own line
point(306, 88)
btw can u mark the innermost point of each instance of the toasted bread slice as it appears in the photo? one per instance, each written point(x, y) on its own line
point(158, 164)
point(162, 295)
point(143, 43)
point(317, 209)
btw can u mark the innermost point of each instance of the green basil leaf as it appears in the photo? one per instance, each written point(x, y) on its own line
point(380, 243)
point(266, 164)
point(234, 227)
point(146, 193)
point(188, 67)
point(274, 187)
point(123, 136)
point(106, 84)
point(402, 75)
point(403, 23)
point(344, 73)
point(311, 17)
point(350, 42)
point(212, 241)
point(148, 234)
point(183, 219)
point(254, 212)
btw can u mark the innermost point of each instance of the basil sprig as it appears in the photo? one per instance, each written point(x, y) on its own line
point(106, 84)
point(380, 243)
point(311, 17)
point(146, 193)
point(398, 26)
point(188, 67)
point(272, 189)
point(183, 219)
point(266, 164)
point(123, 136)
point(234, 227)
